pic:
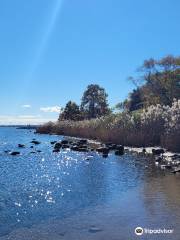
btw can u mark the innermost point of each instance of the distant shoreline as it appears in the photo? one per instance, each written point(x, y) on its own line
point(22, 126)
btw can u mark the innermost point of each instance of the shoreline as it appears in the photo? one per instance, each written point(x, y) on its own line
point(163, 158)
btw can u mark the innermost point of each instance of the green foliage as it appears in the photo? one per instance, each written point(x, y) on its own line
point(136, 100)
point(159, 83)
point(94, 102)
point(71, 112)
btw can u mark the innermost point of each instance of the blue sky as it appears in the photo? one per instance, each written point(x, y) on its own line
point(50, 50)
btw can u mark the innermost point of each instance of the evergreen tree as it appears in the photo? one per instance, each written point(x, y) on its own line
point(70, 112)
point(94, 102)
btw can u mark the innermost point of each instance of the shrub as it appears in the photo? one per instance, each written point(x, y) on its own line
point(155, 125)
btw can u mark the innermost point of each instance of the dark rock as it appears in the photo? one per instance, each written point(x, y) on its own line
point(176, 157)
point(33, 152)
point(14, 153)
point(74, 148)
point(53, 142)
point(166, 166)
point(65, 146)
point(31, 146)
point(74, 144)
point(6, 151)
point(35, 142)
point(103, 150)
point(62, 234)
point(82, 141)
point(144, 150)
point(81, 149)
point(157, 151)
point(120, 148)
point(56, 150)
point(64, 142)
point(58, 145)
point(111, 146)
point(39, 151)
point(176, 170)
point(119, 152)
point(83, 146)
point(105, 155)
point(21, 145)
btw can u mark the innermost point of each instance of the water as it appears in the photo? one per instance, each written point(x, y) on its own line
point(63, 195)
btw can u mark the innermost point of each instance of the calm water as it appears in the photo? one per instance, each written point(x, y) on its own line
point(63, 195)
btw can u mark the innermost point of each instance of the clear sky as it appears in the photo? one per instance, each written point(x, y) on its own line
point(50, 50)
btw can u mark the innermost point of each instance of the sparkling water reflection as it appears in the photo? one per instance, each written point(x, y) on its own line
point(35, 187)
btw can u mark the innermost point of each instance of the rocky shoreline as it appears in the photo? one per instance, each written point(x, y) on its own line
point(161, 157)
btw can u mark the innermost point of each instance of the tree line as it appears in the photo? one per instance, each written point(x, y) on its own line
point(93, 104)
point(158, 82)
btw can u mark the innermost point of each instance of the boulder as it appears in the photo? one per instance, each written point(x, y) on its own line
point(57, 145)
point(14, 153)
point(111, 146)
point(35, 142)
point(6, 151)
point(64, 142)
point(119, 152)
point(79, 148)
point(103, 150)
point(144, 150)
point(83, 141)
point(165, 166)
point(83, 146)
point(176, 170)
point(21, 145)
point(74, 148)
point(56, 150)
point(65, 146)
point(120, 148)
point(157, 151)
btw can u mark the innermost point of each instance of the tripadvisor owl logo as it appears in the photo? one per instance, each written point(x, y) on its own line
point(139, 231)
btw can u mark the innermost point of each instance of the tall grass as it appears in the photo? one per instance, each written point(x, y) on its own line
point(155, 125)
